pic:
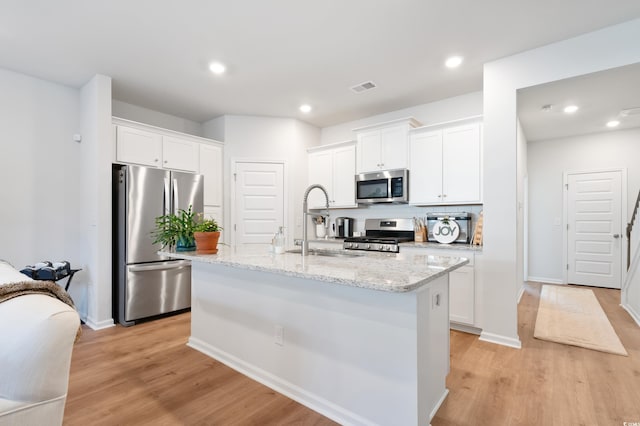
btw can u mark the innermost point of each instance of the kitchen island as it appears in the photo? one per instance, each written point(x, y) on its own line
point(362, 338)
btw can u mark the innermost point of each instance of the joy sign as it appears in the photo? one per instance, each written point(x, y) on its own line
point(446, 231)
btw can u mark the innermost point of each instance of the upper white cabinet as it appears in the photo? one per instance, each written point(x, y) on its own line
point(334, 167)
point(384, 146)
point(149, 147)
point(445, 165)
point(138, 147)
point(211, 168)
point(179, 154)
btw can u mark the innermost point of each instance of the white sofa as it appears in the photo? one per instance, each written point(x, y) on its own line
point(37, 333)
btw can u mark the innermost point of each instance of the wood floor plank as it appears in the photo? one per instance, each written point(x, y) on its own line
point(146, 375)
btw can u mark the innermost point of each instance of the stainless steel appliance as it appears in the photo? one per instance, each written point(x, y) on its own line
point(146, 284)
point(382, 235)
point(388, 186)
point(344, 226)
point(462, 219)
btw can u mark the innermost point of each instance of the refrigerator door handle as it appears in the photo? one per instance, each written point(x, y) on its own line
point(164, 266)
point(176, 203)
point(166, 197)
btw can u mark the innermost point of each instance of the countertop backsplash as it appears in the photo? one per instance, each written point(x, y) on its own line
point(396, 211)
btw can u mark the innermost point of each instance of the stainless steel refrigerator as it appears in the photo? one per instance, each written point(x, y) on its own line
point(145, 284)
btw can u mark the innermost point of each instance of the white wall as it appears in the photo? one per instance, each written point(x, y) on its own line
point(548, 161)
point(95, 199)
point(596, 51)
point(448, 109)
point(522, 204)
point(155, 118)
point(39, 171)
point(249, 137)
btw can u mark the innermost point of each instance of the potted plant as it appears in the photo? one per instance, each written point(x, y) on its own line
point(207, 234)
point(176, 230)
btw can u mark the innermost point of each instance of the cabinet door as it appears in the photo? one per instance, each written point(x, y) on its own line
point(393, 144)
point(320, 171)
point(344, 170)
point(211, 168)
point(425, 168)
point(369, 150)
point(462, 295)
point(179, 154)
point(138, 147)
point(461, 164)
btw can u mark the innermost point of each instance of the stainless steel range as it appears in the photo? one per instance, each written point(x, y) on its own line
point(382, 235)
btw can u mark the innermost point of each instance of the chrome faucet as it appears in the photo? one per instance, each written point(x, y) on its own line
point(305, 240)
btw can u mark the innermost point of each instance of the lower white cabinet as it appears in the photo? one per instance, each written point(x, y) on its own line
point(333, 167)
point(462, 295)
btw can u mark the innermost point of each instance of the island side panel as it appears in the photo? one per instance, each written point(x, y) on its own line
point(349, 353)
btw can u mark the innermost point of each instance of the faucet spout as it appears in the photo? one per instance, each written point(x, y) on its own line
point(305, 212)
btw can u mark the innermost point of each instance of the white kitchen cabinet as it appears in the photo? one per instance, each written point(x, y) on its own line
point(179, 154)
point(211, 167)
point(137, 146)
point(384, 146)
point(334, 167)
point(463, 294)
point(149, 148)
point(445, 165)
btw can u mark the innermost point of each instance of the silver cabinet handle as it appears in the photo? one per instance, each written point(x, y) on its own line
point(616, 235)
point(440, 196)
point(444, 195)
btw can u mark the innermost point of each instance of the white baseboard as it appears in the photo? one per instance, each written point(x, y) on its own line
point(437, 407)
point(545, 280)
point(465, 328)
point(500, 340)
point(520, 293)
point(635, 315)
point(306, 398)
point(99, 325)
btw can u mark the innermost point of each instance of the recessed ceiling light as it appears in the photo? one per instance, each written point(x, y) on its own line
point(453, 61)
point(217, 68)
point(305, 108)
point(547, 108)
point(613, 123)
point(570, 109)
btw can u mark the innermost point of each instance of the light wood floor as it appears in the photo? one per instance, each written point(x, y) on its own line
point(145, 375)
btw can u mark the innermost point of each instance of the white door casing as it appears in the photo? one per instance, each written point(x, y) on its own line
point(258, 202)
point(594, 234)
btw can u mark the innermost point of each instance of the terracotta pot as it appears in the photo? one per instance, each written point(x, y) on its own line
point(207, 242)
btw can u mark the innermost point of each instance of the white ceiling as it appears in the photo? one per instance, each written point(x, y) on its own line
point(282, 53)
point(600, 97)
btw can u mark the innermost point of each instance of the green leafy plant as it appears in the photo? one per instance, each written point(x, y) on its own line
point(206, 225)
point(171, 228)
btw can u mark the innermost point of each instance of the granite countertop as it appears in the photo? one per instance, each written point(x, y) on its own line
point(401, 272)
point(436, 245)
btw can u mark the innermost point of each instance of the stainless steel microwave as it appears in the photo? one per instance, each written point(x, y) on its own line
point(385, 186)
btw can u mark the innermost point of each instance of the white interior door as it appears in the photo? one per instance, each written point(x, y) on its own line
point(594, 234)
point(259, 201)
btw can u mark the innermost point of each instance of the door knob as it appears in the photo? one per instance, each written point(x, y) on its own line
point(616, 235)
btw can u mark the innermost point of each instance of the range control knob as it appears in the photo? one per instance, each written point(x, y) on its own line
point(368, 246)
point(355, 245)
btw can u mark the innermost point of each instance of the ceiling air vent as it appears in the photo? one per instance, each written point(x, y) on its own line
point(362, 87)
point(630, 111)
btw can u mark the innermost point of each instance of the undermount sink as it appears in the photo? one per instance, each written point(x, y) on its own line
point(328, 253)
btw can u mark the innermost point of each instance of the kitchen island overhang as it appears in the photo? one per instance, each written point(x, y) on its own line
point(362, 339)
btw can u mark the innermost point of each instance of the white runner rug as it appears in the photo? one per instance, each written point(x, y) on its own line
point(573, 316)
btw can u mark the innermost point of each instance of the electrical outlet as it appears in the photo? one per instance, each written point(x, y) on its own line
point(278, 337)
